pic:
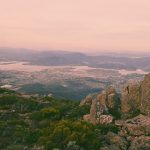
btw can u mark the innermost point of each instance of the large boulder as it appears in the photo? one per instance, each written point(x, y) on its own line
point(137, 126)
point(130, 98)
point(136, 131)
point(133, 135)
point(102, 106)
point(145, 95)
point(135, 97)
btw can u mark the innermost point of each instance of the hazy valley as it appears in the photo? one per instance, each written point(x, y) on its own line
point(66, 74)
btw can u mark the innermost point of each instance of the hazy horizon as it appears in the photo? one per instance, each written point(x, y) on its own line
point(94, 53)
point(83, 25)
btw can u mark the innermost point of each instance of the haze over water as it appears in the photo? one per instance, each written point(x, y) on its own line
point(27, 67)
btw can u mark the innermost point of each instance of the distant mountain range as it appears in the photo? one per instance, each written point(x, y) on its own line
point(62, 58)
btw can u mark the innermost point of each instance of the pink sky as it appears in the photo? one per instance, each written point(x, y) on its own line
point(83, 25)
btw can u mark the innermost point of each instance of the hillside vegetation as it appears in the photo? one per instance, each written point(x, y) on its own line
point(102, 121)
point(46, 123)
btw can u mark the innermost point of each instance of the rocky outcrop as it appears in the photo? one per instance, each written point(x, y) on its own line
point(130, 98)
point(136, 98)
point(133, 135)
point(140, 143)
point(104, 119)
point(145, 95)
point(87, 100)
point(136, 131)
point(114, 141)
point(134, 124)
point(102, 105)
point(137, 126)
